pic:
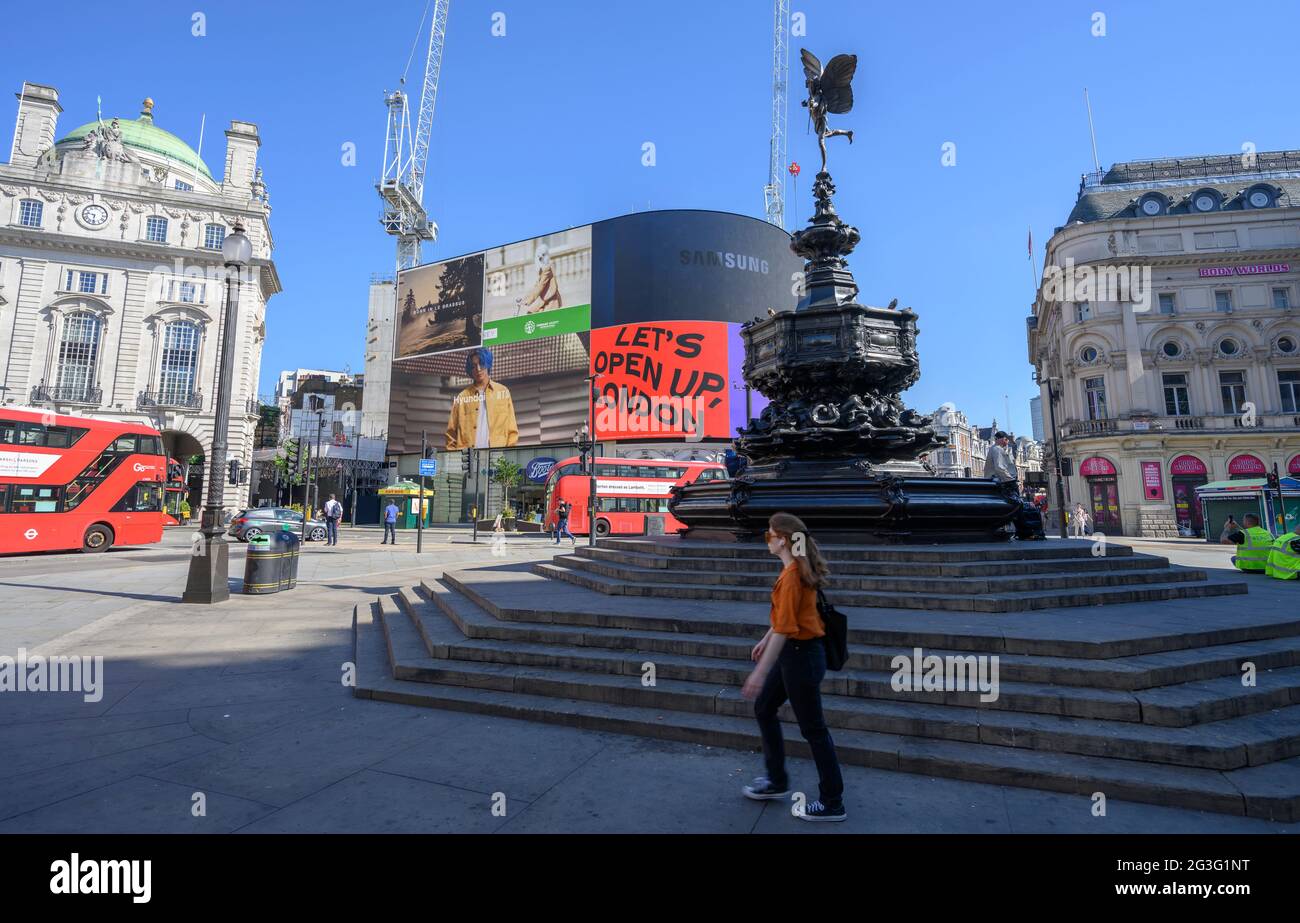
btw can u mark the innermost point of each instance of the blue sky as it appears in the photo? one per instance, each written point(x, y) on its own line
point(542, 129)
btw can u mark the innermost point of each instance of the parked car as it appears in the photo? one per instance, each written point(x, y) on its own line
point(247, 523)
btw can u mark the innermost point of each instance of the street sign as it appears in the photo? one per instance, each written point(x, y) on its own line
point(428, 467)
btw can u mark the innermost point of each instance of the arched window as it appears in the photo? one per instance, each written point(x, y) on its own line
point(78, 356)
point(180, 359)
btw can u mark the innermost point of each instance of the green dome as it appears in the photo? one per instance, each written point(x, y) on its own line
point(144, 135)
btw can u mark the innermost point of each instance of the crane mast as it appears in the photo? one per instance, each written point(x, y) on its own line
point(774, 191)
point(406, 152)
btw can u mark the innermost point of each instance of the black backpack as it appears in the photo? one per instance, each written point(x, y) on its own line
point(837, 633)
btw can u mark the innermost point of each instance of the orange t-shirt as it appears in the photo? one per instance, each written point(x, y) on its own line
point(794, 607)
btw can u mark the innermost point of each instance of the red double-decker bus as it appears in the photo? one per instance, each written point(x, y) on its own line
point(626, 491)
point(70, 482)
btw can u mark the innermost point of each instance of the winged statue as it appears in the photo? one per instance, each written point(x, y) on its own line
point(829, 91)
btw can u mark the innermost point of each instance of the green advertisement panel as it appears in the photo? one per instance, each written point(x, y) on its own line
point(576, 319)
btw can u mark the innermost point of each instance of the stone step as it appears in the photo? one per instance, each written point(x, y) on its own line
point(1228, 744)
point(447, 636)
point(1008, 551)
point(938, 568)
point(1010, 601)
point(1269, 791)
point(1139, 671)
point(733, 577)
point(518, 595)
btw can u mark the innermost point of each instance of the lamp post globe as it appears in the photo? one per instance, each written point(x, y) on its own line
point(236, 249)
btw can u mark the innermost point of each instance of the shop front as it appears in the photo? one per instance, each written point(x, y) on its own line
point(1103, 494)
point(1186, 473)
point(1246, 466)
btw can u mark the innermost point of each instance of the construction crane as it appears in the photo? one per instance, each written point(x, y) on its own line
point(406, 150)
point(774, 191)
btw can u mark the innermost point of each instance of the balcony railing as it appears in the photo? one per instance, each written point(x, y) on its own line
point(184, 400)
point(67, 394)
point(1082, 429)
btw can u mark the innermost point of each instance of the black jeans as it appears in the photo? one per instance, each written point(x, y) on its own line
point(390, 531)
point(797, 676)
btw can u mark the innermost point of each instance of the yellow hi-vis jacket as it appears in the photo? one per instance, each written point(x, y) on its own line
point(1283, 562)
point(1252, 555)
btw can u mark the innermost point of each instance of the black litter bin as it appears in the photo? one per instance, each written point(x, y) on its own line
point(287, 544)
point(263, 566)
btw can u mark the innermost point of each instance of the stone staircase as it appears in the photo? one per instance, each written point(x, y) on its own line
point(1014, 577)
point(1139, 702)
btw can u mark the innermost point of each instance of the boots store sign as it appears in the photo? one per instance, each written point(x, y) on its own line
point(1256, 269)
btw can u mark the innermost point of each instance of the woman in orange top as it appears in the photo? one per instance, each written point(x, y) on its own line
point(791, 660)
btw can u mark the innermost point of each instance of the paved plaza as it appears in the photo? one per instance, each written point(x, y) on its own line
point(243, 702)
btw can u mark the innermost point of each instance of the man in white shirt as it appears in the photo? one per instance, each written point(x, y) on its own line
point(333, 513)
point(999, 463)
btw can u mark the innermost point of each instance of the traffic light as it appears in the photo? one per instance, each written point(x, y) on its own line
point(465, 460)
point(1273, 483)
point(291, 453)
point(233, 465)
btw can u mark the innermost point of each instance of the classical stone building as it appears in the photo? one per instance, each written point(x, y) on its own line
point(966, 450)
point(1166, 329)
point(112, 287)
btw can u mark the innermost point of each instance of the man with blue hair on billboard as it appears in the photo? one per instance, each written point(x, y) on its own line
point(483, 415)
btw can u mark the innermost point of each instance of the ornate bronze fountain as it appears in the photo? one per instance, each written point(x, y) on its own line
point(836, 446)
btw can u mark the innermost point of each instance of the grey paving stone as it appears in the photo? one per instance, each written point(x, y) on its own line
point(486, 754)
point(139, 805)
point(379, 802)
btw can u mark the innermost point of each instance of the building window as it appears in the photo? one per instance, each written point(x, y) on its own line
point(87, 283)
point(1228, 346)
point(1177, 403)
point(1166, 303)
point(184, 186)
point(1232, 388)
point(1288, 383)
point(78, 352)
point(1082, 311)
point(1094, 392)
point(1088, 354)
point(186, 292)
point(213, 235)
point(180, 359)
point(1223, 302)
point(155, 229)
point(1281, 298)
point(30, 212)
point(1285, 344)
point(1171, 349)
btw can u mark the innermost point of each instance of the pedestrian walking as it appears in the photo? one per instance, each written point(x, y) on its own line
point(1079, 521)
point(562, 523)
point(791, 663)
point(390, 523)
point(333, 513)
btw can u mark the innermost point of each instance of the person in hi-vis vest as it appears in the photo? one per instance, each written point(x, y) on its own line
point(467, 427)
point(1254, 544)
point(1284, 559)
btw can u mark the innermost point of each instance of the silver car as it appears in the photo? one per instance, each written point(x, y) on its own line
point(248, 523)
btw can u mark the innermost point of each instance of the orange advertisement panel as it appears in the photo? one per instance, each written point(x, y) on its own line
point(662, 380)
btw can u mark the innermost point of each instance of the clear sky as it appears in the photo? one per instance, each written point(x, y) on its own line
point(542, 129)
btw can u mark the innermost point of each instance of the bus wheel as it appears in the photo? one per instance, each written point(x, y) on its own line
point(602, 528)
point(97, 538)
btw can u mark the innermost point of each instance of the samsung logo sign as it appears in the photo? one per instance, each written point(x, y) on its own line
point(722, 259)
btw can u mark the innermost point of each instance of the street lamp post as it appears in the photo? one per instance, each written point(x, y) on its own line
point(1056, 454)
point(209, 574)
